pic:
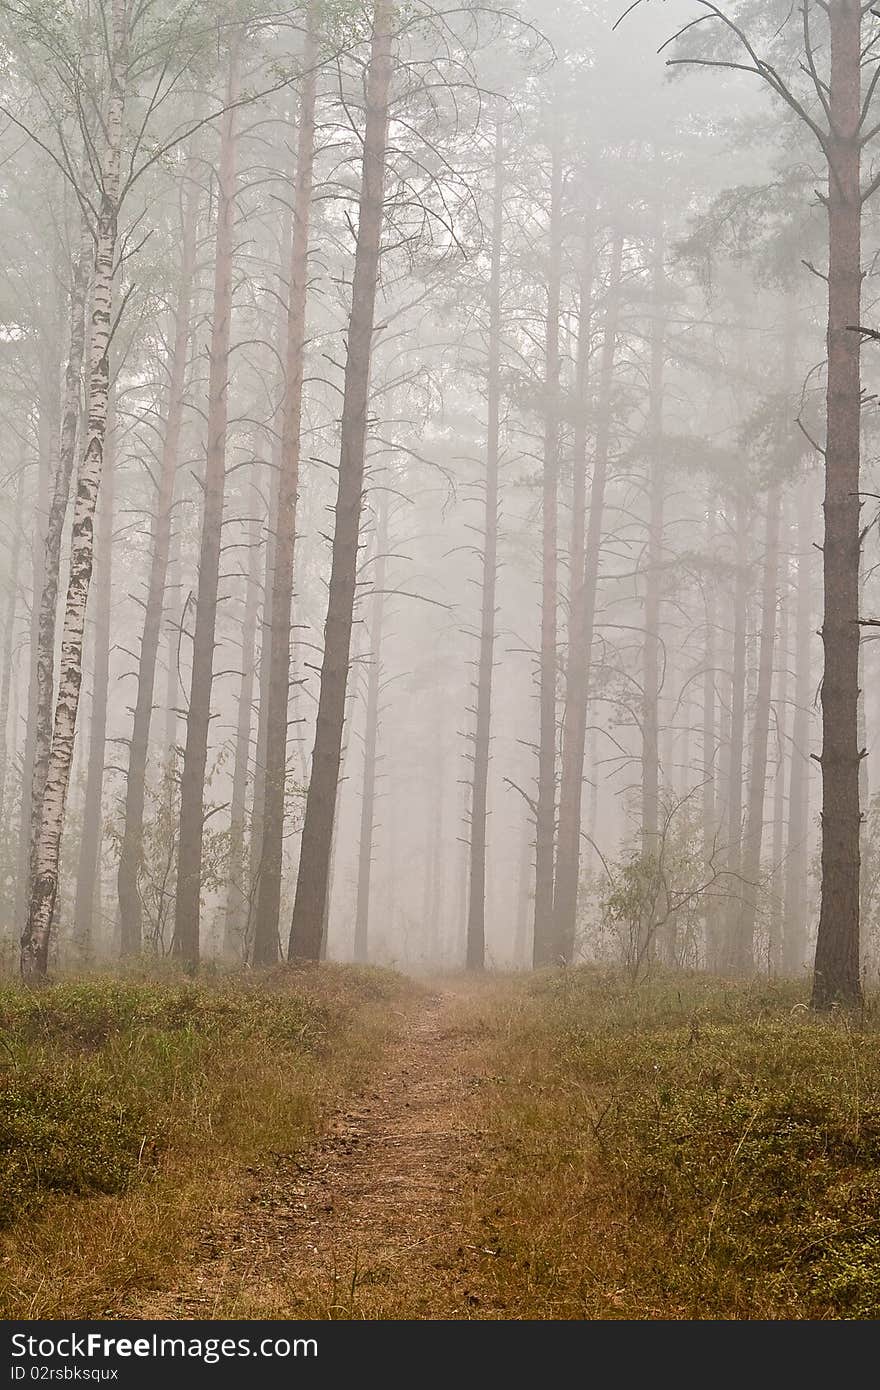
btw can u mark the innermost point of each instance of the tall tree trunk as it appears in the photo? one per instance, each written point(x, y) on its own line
point(736, 745)
point(348, 721)
point(88, 866)
point(521, 953)
point(255, 849)
point(476, 919)
point(172, 637)
point(35, 940)
point(797, 861)
point(778, 850)
point(837, 965)
point(435, 875)
point(743, 955)
point(710, 750)
point(192, 786)
point(131, 850)
point(651, 676)
point(45, 472)
point(545, 816)
point(314, 865)
point(583, 608)
point(235, 921)
point(371, 738)
point(51, 566)
point(8, 638)
point(266, 944)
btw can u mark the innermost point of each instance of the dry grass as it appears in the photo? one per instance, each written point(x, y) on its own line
point(559, 1146)
point(683, 1150)
point(131, 1109)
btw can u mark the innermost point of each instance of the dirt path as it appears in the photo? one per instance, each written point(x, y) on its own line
point(364, 1225)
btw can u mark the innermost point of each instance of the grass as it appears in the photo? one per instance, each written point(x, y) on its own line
point(681, 1150)
point(128, 1110)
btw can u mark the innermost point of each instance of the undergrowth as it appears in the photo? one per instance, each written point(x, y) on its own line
point(127, 1107)
point(680, 1150)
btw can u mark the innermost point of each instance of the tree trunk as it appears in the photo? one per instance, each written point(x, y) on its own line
point(192, 786)
point(266, 943)
point(651, 675)
point(545, 817)
point(35, 940)
point(235, 921)
point(172, 637)
point(737, 735)
point(583, 612)
point(8, 638)
point(371, 737)
point(313, 877)
point(710, 751)
point(521, 953)
point(837, 965)
point(782, 682)
point(476, 919)
point(48, 403)
point(797, 862)
point(51, 566)
point(89, 862)
point(131, 850)
point(743, 954)
point(255, 849)
point(435, 874)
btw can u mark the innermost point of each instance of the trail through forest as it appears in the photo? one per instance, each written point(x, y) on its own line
point(364, 1225)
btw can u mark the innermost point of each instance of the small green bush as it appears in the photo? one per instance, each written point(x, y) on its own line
point(59, 1135)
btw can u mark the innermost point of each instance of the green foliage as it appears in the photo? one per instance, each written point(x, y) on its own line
point(652, 901)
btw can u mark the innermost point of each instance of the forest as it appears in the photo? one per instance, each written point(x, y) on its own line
point(439, 580)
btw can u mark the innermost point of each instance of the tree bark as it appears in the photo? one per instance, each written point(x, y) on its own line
point(797, 862)
point(255, 849)
point(35, 939)
point(131, 850)
point(266, 942)
point(583, 611)
point(46, 431)
point(8, 637)
point(192, 786)
point(651, 675)
point(89, 860)
point(313, 877)
point(51, 566)
point(782, 683)
point(545, 816)
point(371, 738)
point(837, 967)
point(743, 953)
point(235, 921)
point(736, 745)
point(712, 944)
point(435, 868)
point(475, 950)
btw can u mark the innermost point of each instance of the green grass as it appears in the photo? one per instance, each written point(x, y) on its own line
point(128, 1110)
point(685, 1149)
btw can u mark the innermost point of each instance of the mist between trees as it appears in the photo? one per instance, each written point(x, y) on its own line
point(417, 423)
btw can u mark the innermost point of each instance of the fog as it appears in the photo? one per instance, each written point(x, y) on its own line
point(415, 422)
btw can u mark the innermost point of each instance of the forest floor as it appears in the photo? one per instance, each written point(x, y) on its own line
point(368, 1223)
point(348, 1144)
